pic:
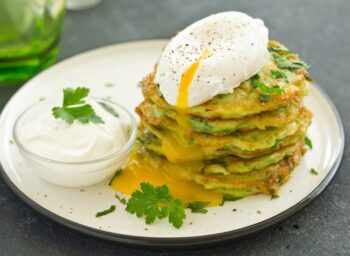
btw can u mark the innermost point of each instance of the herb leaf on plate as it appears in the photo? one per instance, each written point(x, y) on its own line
point(105, 212)
point(313, 171)
point(308, 142)
point(156, 202)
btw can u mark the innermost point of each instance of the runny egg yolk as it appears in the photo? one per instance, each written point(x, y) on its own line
point(138, 170)
point(178, 179)
point(186, 80)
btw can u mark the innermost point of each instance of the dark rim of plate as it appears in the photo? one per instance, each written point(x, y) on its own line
point(195, 241)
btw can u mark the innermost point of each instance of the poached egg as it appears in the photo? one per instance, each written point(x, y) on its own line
point(212, 56)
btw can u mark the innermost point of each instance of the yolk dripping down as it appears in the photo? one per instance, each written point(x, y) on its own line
point(186, 80)
point(177, 179)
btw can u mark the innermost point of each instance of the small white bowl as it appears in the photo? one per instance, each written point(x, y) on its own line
point(79, 174)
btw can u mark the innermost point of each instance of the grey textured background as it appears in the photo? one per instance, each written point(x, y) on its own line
point(319, 30)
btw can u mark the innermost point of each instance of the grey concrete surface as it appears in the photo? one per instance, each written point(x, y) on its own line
point(319, 30)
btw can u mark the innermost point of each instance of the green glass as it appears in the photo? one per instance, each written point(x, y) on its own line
point(29, 36)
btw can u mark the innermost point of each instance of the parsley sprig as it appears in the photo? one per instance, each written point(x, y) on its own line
point(74, 107)
point(156, 202)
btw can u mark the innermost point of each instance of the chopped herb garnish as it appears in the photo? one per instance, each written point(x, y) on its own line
point(282, 51)
point(118, 172)
point(121, 199)
point(156, 202)
point(41, 98)
point(198, 207)
point(285, 63)
point(105, 212)
point(11, 142)
point(265, 97)
point(74, 107)
point(140, 84)
point(308, 142)
point(313, 171)
point(109, 84)
point(275, 197)
point(277, 74)
point(294, 65)
point(109, 109)
point(256, 83)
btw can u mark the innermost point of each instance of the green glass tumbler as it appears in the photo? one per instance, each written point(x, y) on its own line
point(29, 36)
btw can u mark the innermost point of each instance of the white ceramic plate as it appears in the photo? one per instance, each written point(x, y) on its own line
point(124, 65)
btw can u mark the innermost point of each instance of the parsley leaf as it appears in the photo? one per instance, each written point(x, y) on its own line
point(308, 142)
point(105, 212)
point(74, 107)
point(198, 207)
point(156, 202)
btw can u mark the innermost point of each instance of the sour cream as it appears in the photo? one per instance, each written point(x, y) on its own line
point(54, 139)
point(210, 57)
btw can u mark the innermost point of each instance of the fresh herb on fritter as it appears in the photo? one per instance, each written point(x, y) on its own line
point(277, 74)
point(256, 83)
point(284, 63)
point(277, 48)
point(265, 97)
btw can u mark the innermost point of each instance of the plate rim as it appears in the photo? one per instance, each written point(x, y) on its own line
point(180, 242)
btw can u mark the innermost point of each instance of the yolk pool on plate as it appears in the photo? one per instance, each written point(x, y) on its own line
point(138, 171)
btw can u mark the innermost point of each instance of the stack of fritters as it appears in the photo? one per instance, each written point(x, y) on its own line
point(242, 143)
